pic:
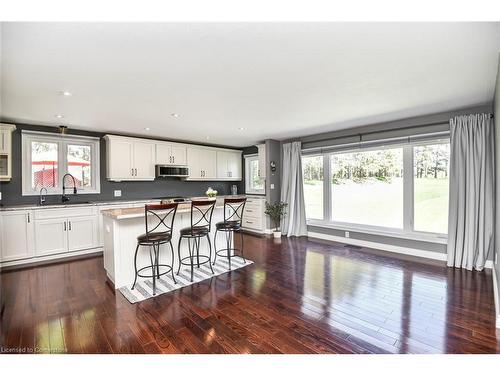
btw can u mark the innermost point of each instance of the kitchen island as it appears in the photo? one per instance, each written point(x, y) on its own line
point(121, 228)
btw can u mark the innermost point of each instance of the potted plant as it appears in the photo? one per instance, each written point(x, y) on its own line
point(276, 211)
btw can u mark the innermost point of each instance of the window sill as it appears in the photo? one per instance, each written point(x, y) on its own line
point(424, 237)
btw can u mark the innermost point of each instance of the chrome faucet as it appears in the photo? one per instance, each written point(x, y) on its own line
point(42, 196)
point(64, 197)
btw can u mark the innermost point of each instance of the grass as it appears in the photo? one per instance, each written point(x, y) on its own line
point(381, 203)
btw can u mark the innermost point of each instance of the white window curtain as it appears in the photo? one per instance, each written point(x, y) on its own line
point(292, 191)
point(471, 219)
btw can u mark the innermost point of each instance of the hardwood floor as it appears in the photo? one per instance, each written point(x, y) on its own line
point(300, 296)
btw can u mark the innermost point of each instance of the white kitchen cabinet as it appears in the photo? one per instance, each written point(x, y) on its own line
point(171, 154)
point(262, 160)
point(229, 165)
point(51, 236)
point(82, 233)
point(254, 218)
point(66, 229)
point(144, 160)
point(129, 159)
point(6, 151)
point(16, 235)
point(202, 163)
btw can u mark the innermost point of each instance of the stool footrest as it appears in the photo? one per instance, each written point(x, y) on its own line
point(168, 267)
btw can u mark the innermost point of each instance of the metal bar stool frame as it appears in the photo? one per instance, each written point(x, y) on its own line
point(198, 229)
point(165, 214)
point(233, 218)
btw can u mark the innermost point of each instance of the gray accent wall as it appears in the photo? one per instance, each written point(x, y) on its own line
point(394, 241)
point(12, 190)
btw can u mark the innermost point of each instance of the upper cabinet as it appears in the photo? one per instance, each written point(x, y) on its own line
point(129, 159)
point(262, 160)
point(134, 159)
point(229, 165)
point(6, 151)
point(171, 154)
point(202, 163)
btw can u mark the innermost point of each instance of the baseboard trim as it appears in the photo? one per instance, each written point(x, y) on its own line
point(496, 296)
point(29, 262)
point(386, 247)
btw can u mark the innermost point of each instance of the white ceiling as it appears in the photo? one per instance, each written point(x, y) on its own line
point(274, 80)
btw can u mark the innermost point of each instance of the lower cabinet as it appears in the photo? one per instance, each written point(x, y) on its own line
point(16, 235)
point(61, 235)
point(82, 233)
point(51, 237)
point(35, 234)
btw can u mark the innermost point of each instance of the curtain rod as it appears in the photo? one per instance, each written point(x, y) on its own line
point(376, 132)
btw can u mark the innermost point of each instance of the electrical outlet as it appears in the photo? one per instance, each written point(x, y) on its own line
point(118, 193)
point(347, 234)
point(0, 195)
point(272, 186)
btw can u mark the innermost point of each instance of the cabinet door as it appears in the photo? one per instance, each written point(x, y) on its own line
point(179, 155)
point(120, 155)
point(163, 153)
point(16, 235)
point(193, 162)
point(208, 163)
point(4, 141)
point(222, 164)
point(234, 165)
point(82, 233)
point(144, 161)
point(51, 236)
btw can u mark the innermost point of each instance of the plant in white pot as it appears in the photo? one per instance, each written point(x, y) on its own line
point(276, 212)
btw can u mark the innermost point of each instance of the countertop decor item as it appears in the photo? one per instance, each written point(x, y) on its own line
point(211, 193)
point(276, 212)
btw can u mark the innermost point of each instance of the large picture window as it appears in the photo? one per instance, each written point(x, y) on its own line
point(46, 158)
point(254, 184)
point(367, 187)
point(387, 189)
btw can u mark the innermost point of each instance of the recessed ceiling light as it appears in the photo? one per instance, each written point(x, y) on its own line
point(207, 137)
point(59, 116)
point(65, 93)
point(175, 115)
point(241, 128)
point(147, 129)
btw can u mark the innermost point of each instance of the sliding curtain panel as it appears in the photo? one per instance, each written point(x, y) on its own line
point(471, 221)
point(292, 191)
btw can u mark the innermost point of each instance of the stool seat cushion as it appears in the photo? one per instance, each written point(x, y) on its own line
point(228, 225)
point(155, 237)
point(194, 231)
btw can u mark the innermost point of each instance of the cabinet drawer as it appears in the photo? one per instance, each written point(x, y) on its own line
point(53, 213)
point(252, 223)
point(250, 213)
point(254, 205)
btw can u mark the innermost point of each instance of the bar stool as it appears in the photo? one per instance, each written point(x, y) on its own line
point(159, 220)
point(200, 227)
point(233, 216)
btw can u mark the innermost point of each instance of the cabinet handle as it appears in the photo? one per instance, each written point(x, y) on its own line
point(135, 172)
point(65, 226)
point(29, 219)
point(132, 171)
point(69, 225)
point(173, 159)
point(249, 222)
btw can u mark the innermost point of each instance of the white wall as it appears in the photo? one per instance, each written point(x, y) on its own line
point(496, 111)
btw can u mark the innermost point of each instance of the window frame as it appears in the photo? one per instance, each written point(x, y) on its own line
point(62, 142)
point(248, 190)
point(408, 231)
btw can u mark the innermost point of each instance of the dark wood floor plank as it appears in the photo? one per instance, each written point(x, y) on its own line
point(300, 296)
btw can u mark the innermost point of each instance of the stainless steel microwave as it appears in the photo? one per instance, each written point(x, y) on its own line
point(172, 171)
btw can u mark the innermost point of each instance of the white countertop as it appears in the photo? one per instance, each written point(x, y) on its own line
point(131, 213)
